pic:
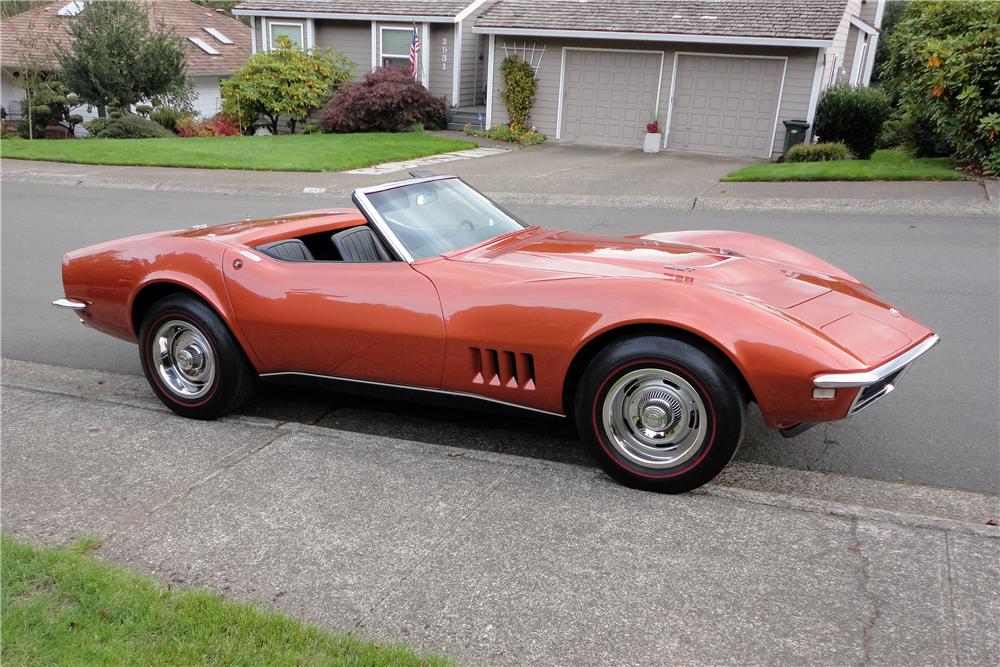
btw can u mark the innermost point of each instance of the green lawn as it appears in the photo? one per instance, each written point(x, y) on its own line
point(886, 165)
point(63, 607)
point(310, 152)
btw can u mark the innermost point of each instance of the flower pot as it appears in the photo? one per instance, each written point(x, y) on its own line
point(652, 142)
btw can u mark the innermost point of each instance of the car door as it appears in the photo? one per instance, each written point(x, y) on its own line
point(379, 322)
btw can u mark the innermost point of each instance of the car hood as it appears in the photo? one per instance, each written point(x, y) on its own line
point(779, 284)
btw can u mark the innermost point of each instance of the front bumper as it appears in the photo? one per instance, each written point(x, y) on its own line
point(878, 382)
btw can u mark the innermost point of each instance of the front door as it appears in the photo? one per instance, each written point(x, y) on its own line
point(379, 322)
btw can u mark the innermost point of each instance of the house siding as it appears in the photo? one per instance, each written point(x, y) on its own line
point(853, 35)
point(795, 92)
point(834, 71)
point(474, 59)
point(868, 10)
point(352, 38)
point(442, 62)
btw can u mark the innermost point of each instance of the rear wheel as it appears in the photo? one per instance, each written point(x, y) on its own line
point(191, 360)
point(659, 413)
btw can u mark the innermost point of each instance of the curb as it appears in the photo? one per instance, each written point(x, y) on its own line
point(871, 207)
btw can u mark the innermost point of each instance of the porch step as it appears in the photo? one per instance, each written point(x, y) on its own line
point(463, 116)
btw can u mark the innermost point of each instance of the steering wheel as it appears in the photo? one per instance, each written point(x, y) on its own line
point(466, 225)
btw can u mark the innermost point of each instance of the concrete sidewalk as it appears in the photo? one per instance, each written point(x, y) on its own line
point(559, 174)
point(498, 559)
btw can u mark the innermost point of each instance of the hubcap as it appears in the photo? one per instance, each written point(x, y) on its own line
point(183, 358)
point(654, 418)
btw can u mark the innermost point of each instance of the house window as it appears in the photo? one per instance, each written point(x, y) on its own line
point(396, 47)
point(293, 31)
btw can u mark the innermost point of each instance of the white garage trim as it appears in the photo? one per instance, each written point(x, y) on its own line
point(670, 101)
point(814, 95)
point(781, 87)
point(456, 65)
point(490, 63)
point(562, 77)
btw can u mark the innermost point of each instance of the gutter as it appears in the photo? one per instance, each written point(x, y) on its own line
point(655, 37)
point(398, 18)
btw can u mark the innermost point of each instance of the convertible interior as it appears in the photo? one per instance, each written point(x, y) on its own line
point(354, 244)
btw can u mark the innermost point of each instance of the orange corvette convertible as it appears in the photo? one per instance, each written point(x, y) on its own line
point(653, 344)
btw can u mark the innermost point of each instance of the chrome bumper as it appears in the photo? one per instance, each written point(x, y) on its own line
point(876, 383)
point(71, 304)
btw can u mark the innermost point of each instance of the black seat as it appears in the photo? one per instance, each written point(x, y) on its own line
point(290, 250)
point(359, 244)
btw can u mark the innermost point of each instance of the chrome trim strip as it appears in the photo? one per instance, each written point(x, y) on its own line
point(412, 388)
point(398, 184)
point(844, 380)
point(71, 304)
point(382, 226)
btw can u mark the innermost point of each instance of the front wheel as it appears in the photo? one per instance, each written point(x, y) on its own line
point(659, 414)
point(191, 360)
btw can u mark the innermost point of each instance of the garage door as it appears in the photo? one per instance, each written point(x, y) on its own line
point(609, 96)
point(725, 105)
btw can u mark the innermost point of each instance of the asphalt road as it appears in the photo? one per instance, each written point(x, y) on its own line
point(940, 428)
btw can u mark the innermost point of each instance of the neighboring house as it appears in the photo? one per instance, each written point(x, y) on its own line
point(372, 33)
point(722, 74)
point(216, 45)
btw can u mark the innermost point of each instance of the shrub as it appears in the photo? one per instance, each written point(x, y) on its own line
point(818, 152)
point(95, 126)
point(169, 117)
point(284, 83)
point(916, 131)
point(944, 57)
point(312, 127)
point(386, 100)
point(518, 92)
point(852, 116)
point(511, 133)
point(131, 127)
point(216, 126)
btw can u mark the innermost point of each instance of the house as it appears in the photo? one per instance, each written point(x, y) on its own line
point(373, 33)
point(722, 74)
point(216, 45)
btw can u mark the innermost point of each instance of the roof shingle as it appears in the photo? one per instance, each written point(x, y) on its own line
point(785, 19)
point(44, 25)
point(443, 8)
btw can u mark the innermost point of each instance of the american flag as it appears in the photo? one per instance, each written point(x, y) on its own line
point(414, 50)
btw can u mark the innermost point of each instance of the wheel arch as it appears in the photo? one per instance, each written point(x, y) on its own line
point(598, 342)
point(154, 290)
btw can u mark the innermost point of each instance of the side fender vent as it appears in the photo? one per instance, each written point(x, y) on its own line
point(503, 368)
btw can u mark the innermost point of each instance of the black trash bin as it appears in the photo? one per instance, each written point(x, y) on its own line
point(795, 133)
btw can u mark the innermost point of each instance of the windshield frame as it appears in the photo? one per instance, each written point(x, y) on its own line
point(364, 204)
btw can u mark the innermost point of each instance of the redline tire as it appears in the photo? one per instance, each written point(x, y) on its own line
point(659, 414)
point(191, 360)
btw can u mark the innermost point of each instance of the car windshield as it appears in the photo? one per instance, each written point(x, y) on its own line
point(434, 217)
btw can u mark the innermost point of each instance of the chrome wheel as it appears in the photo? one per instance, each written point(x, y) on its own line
point(183, 359)
point(654, 418)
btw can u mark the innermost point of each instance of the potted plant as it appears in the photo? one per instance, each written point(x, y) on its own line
point(654, 136)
